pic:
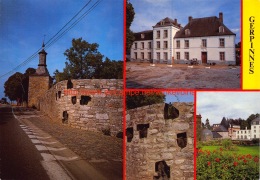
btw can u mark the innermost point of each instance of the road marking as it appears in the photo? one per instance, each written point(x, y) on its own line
point(46, 148)
point(50, 157)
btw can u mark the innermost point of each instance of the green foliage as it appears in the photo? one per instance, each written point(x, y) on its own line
point(16, 87)
point(219, 164)
point(138, 100)
point(207, 124)
point(84, 61)
point(227, 144)
point(130, 13)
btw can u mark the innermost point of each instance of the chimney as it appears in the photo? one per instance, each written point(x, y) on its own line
point(221, 17)
point(190, 18)
point(175, 21)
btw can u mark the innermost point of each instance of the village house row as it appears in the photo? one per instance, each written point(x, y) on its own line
point(206, 39)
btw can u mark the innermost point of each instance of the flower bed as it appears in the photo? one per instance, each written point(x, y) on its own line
point(220, 164)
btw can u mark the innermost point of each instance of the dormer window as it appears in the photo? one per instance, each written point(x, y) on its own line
point(221, 29)
point(187, 32)
point(142, 36)
point(162, 23)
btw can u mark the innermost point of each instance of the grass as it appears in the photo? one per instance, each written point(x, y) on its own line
point(253, 150)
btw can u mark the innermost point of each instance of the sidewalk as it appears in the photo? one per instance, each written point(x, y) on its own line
point(102, 152)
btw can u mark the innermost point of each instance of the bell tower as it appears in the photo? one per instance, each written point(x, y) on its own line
point(42, 67)
point(40, 82)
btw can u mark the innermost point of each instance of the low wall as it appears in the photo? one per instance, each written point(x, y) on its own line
point(160, 142)
point(90, 104)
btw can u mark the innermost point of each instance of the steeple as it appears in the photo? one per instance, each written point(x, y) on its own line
point(42, 67)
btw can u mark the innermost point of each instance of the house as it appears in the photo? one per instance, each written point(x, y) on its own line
point(219, 131)
point(248, 134)
point(206, 39)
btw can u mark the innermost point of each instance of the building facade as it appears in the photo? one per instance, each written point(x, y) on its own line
point(206, 39)
point(249, 134)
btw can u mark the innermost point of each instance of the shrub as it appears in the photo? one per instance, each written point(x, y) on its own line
point(227, 144)
point(223, 165)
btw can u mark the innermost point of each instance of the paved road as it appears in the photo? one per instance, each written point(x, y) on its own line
point(84, 154)
point(19, 159)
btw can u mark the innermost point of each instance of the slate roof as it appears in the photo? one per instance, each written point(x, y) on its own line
point(256, 119)
point(216, 135)
point(201, 27)
point(168, 22)
point(148, 35)
point(220, 128)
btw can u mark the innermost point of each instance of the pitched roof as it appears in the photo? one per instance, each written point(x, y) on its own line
point(168, 22)
point(256, 119)
point(147, 35)
point(219, 128)
point(216, 135)
point(201, 27)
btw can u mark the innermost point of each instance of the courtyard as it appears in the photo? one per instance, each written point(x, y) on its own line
point(182, 76)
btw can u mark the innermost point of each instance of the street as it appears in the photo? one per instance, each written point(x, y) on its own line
point(19, 159)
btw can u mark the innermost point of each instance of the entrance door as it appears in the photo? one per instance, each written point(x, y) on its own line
point(204, 57)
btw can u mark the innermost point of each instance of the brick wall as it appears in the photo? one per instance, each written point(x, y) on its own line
point(160, 142)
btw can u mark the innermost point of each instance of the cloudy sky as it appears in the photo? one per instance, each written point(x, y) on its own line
point(149, 12)
point(23, 24)
point(216, 105)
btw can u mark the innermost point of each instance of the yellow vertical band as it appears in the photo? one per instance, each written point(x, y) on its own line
point(251, 44)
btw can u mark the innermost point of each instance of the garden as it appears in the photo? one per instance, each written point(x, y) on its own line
point(225, 160)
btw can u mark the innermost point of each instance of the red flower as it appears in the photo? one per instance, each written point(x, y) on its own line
point(220, 149)
point(217, 159)
point(256, 159)
point(208, 163)
point(245, 161)
point(235, 163)
point(249, 156)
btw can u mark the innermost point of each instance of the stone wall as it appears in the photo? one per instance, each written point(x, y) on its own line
point(38, 85)
point(160, 142)
point(90, 104)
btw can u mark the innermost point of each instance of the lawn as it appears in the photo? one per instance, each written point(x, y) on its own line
point(243, 150)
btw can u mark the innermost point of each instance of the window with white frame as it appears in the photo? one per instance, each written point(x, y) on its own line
point(187, 32)
point(149, 45)
point(142, 45)
point(187, 55)
point(158, 56)
point(221, 42)
point(204, 43)
point(158, 44)
point(165, 44)
point(149, 55)
point(142, 55)
point(165, 54)
point(165, 33)
point(222, 56)
point(178, 44)
point(142, 36)
point(158, 34)
point(178, 55)
point(186, 43)
point(135, 55)
point(135, 45)
point(221, 29)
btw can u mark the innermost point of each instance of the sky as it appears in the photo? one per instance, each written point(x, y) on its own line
point(23, 24)
point(149, 12)
point(216, 105)
point(179, 96)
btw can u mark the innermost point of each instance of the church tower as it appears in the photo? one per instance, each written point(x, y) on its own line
point(39, 82)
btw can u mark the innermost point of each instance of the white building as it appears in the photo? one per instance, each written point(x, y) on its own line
point(206, 39)
point(250, 134)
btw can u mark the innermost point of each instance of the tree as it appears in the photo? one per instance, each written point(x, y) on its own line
point(84, 60)
point(134, 101)
point(130, 13)
point(111, 69)
point(224, 123)
point(207, 124)
point(16, 87)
